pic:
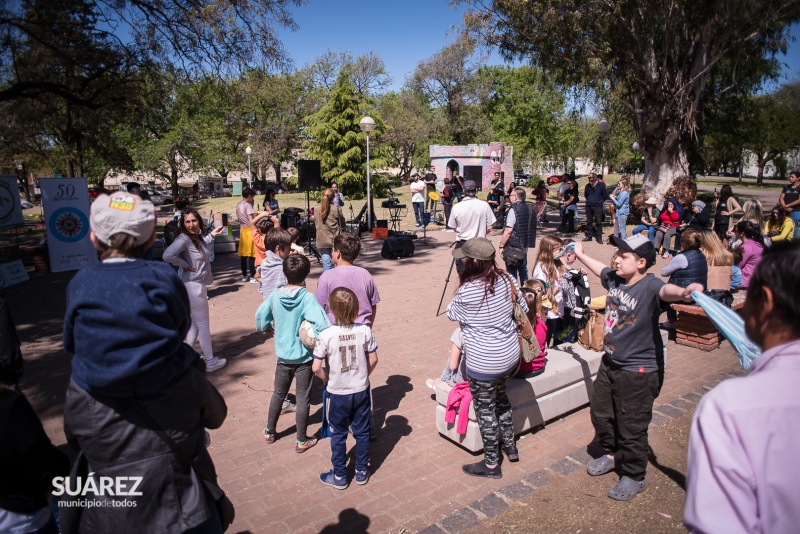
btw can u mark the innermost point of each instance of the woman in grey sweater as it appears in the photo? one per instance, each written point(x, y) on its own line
point(191, 251)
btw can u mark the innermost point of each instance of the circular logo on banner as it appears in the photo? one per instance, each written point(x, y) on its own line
point(68, 225)
point(7, 202)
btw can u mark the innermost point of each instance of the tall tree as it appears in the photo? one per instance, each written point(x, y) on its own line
point(655, 57)
point(187, 35)
point(524, 109)
point(450, 82)
point(410, 125)
point(276, 105)
point(335, 138)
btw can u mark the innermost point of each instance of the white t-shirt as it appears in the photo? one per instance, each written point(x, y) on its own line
point(417, 191)
point(346, 348)
point(471, 217)
point(538, 273)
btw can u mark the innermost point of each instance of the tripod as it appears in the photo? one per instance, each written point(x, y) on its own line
point(446, 281)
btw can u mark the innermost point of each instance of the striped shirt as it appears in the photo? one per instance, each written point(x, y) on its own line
point(487, 324)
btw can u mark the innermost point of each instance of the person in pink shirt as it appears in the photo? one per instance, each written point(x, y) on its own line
point(742, 466)
point(752, 249)
point(346, 248)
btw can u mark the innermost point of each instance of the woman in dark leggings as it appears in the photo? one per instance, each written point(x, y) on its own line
point(726, 207)
point(484, 308)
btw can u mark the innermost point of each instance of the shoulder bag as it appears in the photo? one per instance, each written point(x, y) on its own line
point(513, 256)
point(528, 344)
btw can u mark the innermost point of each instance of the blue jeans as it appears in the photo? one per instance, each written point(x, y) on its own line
point(795, 216)
point(621, 220)
point(325, 256)
point(651, 231)
point(352, 409)
point(419, 212)
point(736, 277)
point(520, 270)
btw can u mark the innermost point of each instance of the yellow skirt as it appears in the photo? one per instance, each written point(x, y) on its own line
point(246, 247)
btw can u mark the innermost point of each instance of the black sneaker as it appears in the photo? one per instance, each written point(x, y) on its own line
point(511, 453)
point(599, 241)
point(480, 470)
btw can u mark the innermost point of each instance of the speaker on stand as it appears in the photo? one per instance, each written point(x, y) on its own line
point(309, 178)
point(474, 173)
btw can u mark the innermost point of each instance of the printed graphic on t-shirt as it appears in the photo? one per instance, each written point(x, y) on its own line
point(618, 316)
point(348, 354)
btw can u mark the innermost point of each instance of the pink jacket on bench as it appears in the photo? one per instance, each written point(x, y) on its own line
point(458, 400)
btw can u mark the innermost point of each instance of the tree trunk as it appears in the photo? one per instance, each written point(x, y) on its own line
point(760, 176)
point(278, 177)
point(660, 170)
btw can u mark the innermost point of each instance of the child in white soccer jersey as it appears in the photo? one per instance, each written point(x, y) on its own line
point(351, 354)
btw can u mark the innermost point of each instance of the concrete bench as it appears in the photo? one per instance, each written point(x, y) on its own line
point(694, 329)
point(565, 386)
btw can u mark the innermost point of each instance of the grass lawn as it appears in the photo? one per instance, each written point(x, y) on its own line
point(747, 183)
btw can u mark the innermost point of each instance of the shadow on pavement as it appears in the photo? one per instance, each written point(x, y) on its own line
point(350, 521)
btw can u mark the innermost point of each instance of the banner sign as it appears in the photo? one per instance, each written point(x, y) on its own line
point(12, 273)
point(66, 215)
point(237, 189)
point(10, 206)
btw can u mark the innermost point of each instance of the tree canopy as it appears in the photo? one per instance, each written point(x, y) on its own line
point(655, 57)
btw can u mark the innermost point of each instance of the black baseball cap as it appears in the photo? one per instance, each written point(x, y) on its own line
point(639, 245)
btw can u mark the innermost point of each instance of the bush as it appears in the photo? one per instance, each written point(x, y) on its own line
point(290, 183)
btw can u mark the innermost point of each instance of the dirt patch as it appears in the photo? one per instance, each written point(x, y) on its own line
point(579, 502)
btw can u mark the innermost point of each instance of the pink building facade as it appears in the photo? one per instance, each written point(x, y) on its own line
point(477, 162)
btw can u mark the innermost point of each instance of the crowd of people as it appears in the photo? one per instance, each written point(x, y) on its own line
point(138, 389)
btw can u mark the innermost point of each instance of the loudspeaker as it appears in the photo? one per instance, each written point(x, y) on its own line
point(474, 173)
point(381, 223)
point(397, 247)
point(309, 175)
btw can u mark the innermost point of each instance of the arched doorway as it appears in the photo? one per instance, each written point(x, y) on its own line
point(452, 166)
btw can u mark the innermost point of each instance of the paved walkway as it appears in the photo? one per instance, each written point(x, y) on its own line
point(417, 477)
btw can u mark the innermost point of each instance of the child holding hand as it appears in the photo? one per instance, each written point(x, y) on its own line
point(351, 355)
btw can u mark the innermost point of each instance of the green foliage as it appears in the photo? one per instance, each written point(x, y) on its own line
point(524, 109)
point(410, 125)
point(655, 58)
point(336, 139)
point(290, 182)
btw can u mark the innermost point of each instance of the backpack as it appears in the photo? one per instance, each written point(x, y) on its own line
point(591, 336)
point(447, 193)
point(169, 231)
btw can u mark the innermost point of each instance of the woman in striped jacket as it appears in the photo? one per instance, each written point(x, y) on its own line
point(484, 308)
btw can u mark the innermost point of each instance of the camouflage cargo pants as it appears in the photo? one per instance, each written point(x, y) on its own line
point(493, 410)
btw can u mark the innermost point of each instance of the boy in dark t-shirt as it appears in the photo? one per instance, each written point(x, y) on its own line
point(632, 370)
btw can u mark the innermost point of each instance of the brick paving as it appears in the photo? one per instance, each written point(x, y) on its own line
point(417, 482)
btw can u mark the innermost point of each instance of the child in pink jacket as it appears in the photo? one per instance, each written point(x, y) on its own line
point(533, 291)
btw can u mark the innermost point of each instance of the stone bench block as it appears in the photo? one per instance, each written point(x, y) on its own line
point(565, 385)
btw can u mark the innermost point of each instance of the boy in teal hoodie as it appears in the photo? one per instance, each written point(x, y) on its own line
point(288, 306)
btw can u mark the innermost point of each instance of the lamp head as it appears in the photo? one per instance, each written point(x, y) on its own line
point(604, 126)
point(635, 146)
point(248, 151)
point(367, 124)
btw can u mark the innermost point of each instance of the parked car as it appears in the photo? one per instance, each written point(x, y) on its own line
point(554, 179)
point(155, 198)
point(522, 179)
point(25, 204)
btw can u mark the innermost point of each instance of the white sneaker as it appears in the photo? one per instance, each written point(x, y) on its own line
point(253, 281)
point(449, 231)
point(215, 365)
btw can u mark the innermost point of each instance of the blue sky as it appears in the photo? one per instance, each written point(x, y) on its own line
point(401, 33)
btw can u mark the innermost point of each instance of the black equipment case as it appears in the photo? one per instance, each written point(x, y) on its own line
point(397, 247)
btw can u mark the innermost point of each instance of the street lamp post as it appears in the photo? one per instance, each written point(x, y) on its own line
point(635, 148)
point(604, 127)
point(367, 124)
point(249, 151)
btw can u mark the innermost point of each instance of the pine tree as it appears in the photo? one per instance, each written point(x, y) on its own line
point(338, 142)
